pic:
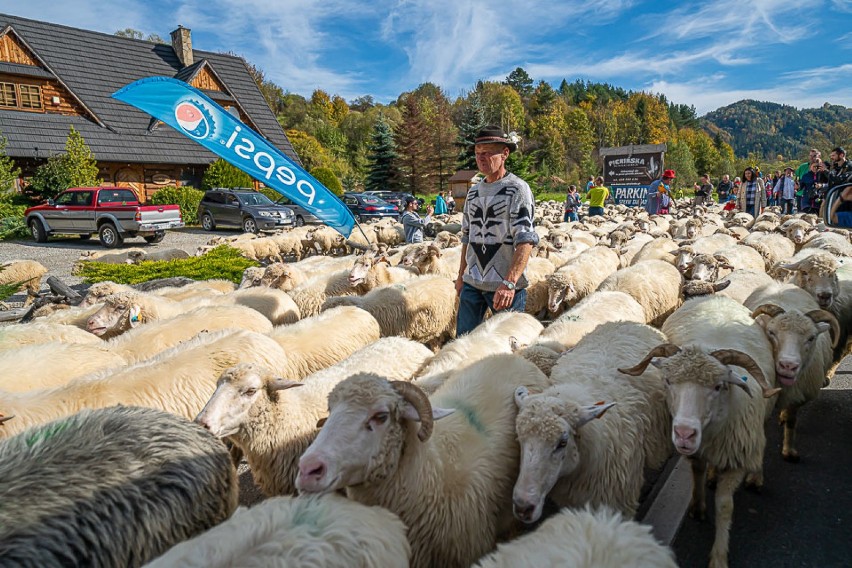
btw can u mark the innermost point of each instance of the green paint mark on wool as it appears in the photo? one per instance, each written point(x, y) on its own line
point(46, 433)
point(469, 414)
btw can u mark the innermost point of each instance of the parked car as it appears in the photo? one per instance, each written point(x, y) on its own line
point(302, 215)
point(114, 213)
point(366, 206)
point(395, 197)
point(244, 208)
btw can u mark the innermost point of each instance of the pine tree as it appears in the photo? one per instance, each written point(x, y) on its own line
point(80, 162)
point(473, 119)
point(413, 139)
point(444, 134)
point(382, 172)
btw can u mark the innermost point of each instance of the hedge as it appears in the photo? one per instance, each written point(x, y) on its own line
point(222, 262)
point(187, 197)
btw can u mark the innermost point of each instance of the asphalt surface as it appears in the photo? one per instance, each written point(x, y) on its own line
point(803, 517)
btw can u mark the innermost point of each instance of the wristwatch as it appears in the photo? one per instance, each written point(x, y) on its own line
point(508, 284)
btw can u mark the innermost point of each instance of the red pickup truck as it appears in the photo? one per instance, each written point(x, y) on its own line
point(114, 213)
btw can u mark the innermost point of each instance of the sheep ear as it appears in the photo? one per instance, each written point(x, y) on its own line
point(589, 413)
point(279, 384)
point(134, 316)
point(738, 381)
point(514, 343)
point(521, 393)
point(321, 422)
point(571, 288)
point(410, 413)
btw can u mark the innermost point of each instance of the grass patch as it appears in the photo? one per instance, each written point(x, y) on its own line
point(7, 290)
point(222, 262)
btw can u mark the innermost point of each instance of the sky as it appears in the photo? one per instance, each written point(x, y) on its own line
point(704, 53)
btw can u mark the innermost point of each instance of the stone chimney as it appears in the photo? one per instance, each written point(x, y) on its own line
point(182, 44)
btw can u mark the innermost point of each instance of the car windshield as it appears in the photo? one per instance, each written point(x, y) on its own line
point(254, 199)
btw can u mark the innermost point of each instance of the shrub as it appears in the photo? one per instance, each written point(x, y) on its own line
point(7, 290)
point(326, 177)
point(221, 262)
point(222, 174)
point(12, 223)
point(77, 167)
point(187, 197)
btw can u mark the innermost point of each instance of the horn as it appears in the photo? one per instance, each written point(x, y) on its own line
point(353, 244)
point(5, 418)
point(827, 317)
point(662, 350)
point(418, 399)
point(769, 309)
point(734, 357)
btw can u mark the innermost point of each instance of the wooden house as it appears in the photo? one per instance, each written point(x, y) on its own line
point(462, 181)
point(54, 77)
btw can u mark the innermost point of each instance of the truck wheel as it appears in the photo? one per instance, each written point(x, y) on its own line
point(110, 236)
point(249, 225)
point(37, 231)
point(156, 237)
point(207, 222)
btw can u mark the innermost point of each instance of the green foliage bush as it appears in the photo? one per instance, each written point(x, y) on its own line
point(12, 224)
point(222, 174)
point(187, 197)
point(222, 262)
point(77, 167)
point(328, 179)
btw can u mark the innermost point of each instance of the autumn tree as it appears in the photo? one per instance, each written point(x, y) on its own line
point(412, 139)
point(309, 149)
point(502, 105)
point(679, 158)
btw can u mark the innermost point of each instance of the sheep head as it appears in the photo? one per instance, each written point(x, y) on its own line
point(99, 291)
point(794, 337)
point(698, 387)
point(683, 258)
point(119, 313)
point(252, 276)
point(363, 266)
point(692, 288)
point(558, 239)
point(548, 429)
point(238, 390)
point(370, 421)
point(817, 274)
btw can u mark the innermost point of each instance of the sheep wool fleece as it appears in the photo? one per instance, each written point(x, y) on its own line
point(497, 217)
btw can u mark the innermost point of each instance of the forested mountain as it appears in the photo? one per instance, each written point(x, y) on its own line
point(769, 130)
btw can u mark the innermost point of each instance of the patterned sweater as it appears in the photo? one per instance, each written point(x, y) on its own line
point(497, 217)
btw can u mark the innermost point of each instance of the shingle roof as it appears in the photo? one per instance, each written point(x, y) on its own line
point(94, 65)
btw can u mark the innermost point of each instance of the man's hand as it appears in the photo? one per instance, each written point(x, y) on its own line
point(429, 209)
point(503, 298)
point(459, 284)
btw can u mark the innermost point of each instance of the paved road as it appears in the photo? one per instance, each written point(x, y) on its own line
point(803, 518)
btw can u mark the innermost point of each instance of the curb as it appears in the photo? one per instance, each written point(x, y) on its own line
point(669, 500)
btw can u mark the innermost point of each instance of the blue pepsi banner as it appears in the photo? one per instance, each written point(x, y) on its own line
point(194, 114)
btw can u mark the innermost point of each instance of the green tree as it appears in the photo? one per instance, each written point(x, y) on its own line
point(679, 158)
point(222, 174)
point(382, 172)
point(472, 120)
point(502, 106)
point(136, 34)
point(8, 172)
point(77, 167)
point(309, 149)
point(520, 80)
point(326, 177)
point(412, 142)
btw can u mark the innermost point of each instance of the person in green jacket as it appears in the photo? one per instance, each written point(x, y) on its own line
point(597, 197)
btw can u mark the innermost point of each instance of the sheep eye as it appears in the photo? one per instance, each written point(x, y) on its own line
point(249, 392)
point(718, 387)
point(811, 338)
point(121, 307)
point(562, 443)
point(378, 418)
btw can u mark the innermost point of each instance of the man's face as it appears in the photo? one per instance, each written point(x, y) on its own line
point(490, 157)
point(813, 154)
point(726, 178)
point(833, 156)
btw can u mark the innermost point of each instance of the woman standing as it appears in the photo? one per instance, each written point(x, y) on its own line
point(572, 204)
point(752, 195)
point(440, 204)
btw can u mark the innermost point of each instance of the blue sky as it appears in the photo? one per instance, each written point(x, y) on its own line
point(705, 53)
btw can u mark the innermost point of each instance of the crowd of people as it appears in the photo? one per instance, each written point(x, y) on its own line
point(802, 190)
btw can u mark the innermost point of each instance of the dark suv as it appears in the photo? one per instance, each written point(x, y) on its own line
point(394, 197)
point(366, 206)
point(244, 208)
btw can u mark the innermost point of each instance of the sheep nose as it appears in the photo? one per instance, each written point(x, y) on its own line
point(824, 298)
point(311, 470)
point(203, 423)
point(685, 433)
point(789, 366)
point(523, 511)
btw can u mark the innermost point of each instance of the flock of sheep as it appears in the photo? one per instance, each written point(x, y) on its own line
point(333, 369)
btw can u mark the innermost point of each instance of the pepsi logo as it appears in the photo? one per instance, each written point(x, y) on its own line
point(195, 120)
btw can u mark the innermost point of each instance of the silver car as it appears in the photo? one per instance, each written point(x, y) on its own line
point(302, 215)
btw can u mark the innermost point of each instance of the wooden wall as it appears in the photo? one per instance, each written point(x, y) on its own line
point(12, 51)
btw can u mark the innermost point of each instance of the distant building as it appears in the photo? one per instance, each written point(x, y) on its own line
point(53, 77)
point(461, 181)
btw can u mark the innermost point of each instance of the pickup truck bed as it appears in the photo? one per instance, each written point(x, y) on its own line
point(114, 213)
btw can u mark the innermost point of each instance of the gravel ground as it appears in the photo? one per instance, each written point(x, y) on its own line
point(59, 254)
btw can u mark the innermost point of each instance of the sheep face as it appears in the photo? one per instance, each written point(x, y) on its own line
point(817, 274)
point(277, 275)
point(98, 292)
point(362, 440)
point(793, 336)
point(408, 259)
point(116, 316)
point(692, 229)
point(559, 240)
point(558, 292)
point(251, 277)
point(362, 267)
point(547, 429)
point(797, 232)
point(698, 394)
point(683, 258)
point(238, 391)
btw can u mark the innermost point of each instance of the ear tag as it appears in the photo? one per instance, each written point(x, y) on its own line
point(134, 314)
point(744, 379)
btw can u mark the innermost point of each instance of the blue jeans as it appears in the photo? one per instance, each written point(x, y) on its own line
point(473, 302)
point(570, 216)
point(595, 211)
point(786, 206)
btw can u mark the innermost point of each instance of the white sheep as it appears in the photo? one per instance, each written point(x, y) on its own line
point(537, 272)
point(66, 315)
point(834, 243)
point(255, 409)
point(263, 250)
point(140, 256)
point(110, 487)
point(212, 287)
point(559, 257)
point(51, 364)
point(801, 347)
point(289, 244)
point(321, 341)
point(179, 380)
point(328, 531)
point(501, 333)
point(575, 459)
point(278, 307)
point(252, 276)
point(450, 481)
point(744, 283)
point(657, 249)
point(282, 276)
point(583, 539)
point(580, 276)
point(14, 336)
point(655, 284)
point(422, 309)
point(595, 309)
point(431, 259)
point(125, 310)
point(719, 379)
point(774, 248)
point(23, 274)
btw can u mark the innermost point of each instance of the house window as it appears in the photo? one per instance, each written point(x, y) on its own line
point(8, 96)
point(27, 97)
point(30, 96)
